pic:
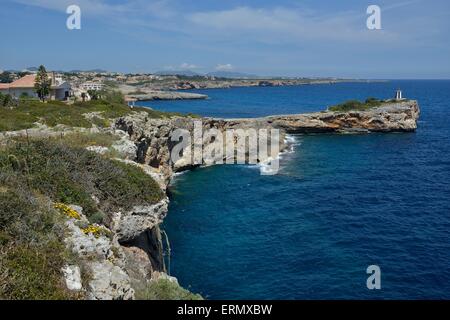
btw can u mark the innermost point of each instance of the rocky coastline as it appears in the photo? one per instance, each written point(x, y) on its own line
point(134, 251)
point(167, 95)
point(151, 138)
point(176, 89)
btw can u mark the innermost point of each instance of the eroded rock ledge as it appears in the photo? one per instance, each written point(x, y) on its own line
point(391, 117)
point(152, 136)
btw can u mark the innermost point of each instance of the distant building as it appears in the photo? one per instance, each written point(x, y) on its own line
point(59, 90)
point(92, 86)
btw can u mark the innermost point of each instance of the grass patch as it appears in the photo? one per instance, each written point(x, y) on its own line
point(164, 289)
point(356, 105)
point(83, 140)
point(52, 113)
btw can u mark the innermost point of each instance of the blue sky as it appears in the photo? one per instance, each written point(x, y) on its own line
point(284, 37)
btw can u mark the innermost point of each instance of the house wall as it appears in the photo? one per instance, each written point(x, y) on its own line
point(17, 92)
point(55, 93)
point(58, 94)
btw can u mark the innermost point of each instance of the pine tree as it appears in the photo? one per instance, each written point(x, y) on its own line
point(42, 84)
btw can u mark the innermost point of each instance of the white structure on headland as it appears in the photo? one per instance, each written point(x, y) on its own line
point(398, 95)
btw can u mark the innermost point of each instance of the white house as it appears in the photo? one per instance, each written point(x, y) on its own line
point(59, 90)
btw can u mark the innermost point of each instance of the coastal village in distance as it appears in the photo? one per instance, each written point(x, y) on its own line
point(78, 85)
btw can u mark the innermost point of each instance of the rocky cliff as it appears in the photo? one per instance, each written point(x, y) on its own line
point(126, 251)
point(152, 136)
point(390, 117)
point(153, 147)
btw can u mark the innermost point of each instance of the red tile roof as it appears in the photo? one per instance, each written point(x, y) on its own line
point(24, 82)
point(4, 85)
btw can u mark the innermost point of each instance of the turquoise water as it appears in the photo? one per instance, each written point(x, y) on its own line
point(339, 204)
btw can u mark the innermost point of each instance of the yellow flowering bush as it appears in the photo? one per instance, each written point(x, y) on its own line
point(68, 211)
point(96, 230)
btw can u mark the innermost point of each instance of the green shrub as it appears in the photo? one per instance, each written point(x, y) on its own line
point(24, 217)
point(164, 289)
point(113, 96)
point(73, 175)
point(98, 217)
point(32, 273)
point(31, 247)
point(355, 105)
point(6, 100)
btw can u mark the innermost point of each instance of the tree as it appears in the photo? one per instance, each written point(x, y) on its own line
point(42, 84)
point(5, 77)
point(6, 100)
point(94, 94)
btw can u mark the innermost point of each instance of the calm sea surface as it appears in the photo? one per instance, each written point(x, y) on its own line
point(339, 204)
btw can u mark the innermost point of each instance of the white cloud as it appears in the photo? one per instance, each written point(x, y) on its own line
point(224, 67)
point(184, 66)
point(188, 66)
point(289, 25)
point(158, 8)
point(276, 25)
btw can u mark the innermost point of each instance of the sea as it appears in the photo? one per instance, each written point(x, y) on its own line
point(339, 203)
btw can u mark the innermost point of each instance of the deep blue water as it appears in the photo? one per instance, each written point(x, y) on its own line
point(339, 204)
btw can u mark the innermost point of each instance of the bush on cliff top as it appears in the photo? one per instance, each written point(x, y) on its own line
point(76, 176)
point(356, 105)
point(31, 272)
point(31, 246)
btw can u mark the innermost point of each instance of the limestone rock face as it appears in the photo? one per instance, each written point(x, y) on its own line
point(138, 265)
point(139, 219)
point(87, 245)
point(109, 282)
point(102, 258)
point(152, 137)
point(392, 117)
point(125, 147)
point(73, 277)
